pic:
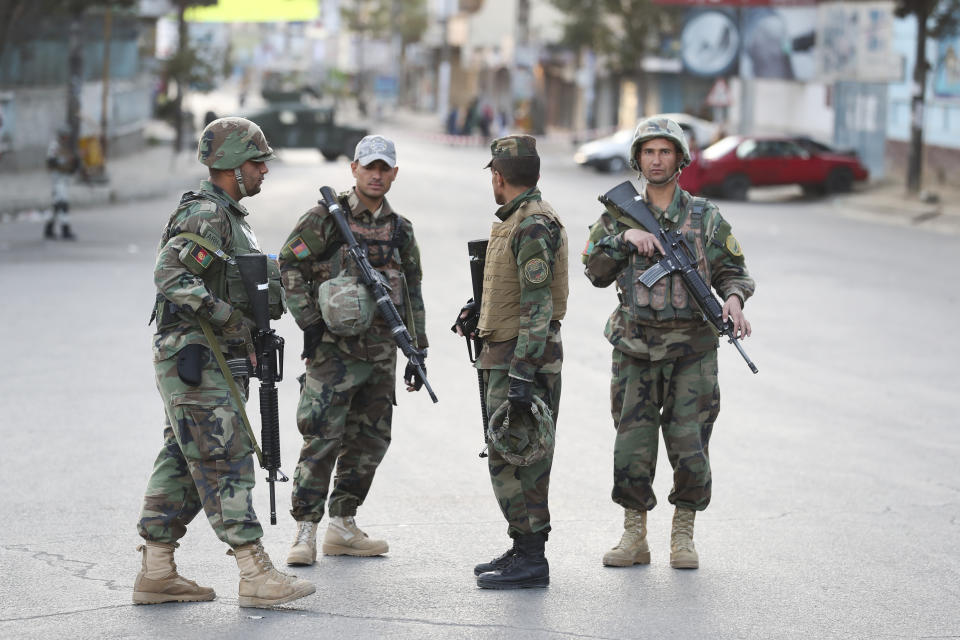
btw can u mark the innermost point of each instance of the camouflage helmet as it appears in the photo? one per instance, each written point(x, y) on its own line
point(226, 143)
point(659, 127)
point(522, 437)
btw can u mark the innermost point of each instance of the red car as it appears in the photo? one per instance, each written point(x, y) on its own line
point(736, 163)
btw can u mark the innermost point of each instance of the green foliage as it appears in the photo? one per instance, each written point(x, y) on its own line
point(622, 30)
point(384, 18)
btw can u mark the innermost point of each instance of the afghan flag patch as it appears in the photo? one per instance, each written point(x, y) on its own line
point(298, 248)
point(201, 255)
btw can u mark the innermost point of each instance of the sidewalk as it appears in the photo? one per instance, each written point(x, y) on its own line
point(150, 172)
point(887, 202)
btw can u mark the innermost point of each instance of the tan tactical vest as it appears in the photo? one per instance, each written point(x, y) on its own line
point(500, 308)
point(668, 299)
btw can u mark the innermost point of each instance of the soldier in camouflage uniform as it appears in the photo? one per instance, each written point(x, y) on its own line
point(524, 299)
point(664, 352)
point(202, 306)
point(348, 391)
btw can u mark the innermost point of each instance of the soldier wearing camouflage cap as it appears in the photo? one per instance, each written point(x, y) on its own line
point(348, 391)
point(524, 299)
point(665, 352)
point(204, 323)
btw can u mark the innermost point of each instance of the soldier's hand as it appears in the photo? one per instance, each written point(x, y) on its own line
point(520, 394)
point(733, 311)
point(466, 323)
point(412, 377)
point(236, 334)
point(644, 241)
point(312, 336)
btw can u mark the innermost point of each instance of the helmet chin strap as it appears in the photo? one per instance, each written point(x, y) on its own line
point(644, 180)
point(239, 177)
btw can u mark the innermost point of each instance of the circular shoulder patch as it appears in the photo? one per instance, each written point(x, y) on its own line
point(733, 246)
point(535, 270)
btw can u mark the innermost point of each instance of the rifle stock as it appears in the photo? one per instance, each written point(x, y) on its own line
point(269, 368)
point(380, 290)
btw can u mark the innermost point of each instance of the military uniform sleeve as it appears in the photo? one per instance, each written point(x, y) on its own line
point(183, 286)
point(413, 273)
point(535, 247)
point(300, 261)
point(606, 252)
point(728, 268)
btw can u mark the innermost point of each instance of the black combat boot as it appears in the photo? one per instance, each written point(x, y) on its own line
point(66, 233)
point(527, 568)
point(497, 563)
point(48, 231)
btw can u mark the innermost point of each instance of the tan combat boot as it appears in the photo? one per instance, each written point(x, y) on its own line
point(344, 538)
point(683, 555)
point(158, 580)
point(260, 584)
point(303, 551)
point(632, 548)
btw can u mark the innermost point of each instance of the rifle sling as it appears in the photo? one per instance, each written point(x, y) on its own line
point(234, 391)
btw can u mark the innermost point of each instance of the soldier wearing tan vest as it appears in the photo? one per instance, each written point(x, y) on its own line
point(524, 299)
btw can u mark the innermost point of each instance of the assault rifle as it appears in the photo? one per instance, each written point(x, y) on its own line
point(269, 368)
point(677, 258)
point(477, 250)
point(378, 287)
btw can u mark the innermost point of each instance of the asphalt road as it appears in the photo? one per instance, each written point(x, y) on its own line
point(836, 504)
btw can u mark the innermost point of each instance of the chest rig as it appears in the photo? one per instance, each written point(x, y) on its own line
point(381, 243)
point(222, 276)
point(668, 298)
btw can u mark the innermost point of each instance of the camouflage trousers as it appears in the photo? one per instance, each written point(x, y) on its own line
point(344, 415)
point(680, 396)
point(205, 462)
point(521, 492)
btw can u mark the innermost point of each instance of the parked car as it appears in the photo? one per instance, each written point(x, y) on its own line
point(736, 163)
point(815, 146)
point(612, 153)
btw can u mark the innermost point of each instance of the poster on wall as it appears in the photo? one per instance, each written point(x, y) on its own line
point(855, 42)
point(710, 42)
point(778, 42)
point(946, 78)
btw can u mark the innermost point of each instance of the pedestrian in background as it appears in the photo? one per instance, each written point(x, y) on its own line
point(62, 162)
point(202, 311)
point(524, 299)
point(349, 389)
point(664, 351)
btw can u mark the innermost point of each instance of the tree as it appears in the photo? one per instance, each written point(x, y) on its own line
point(405, 21)
point(624, 32)
point(185, 66)
point(935, 19)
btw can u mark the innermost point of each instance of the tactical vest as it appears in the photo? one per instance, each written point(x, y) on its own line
point(500, 308)
point(222, 277)
point(381, 243)
point(668, 299)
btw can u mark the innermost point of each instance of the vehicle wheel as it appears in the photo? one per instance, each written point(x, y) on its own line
point(616, 164)
point(839, 180)
point(330, 156)
point(812, 190)
point(735, 187)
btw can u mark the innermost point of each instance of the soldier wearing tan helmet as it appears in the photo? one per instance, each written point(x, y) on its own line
point(665, 353)
point(201, 308)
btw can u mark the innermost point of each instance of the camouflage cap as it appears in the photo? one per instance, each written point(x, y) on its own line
point(513, 146)
point(659, 127)
point(226, 143)
point(373, 148)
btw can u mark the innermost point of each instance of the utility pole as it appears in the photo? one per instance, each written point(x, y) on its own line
point(915, 160)
point(105, 97)
point(75, 75)
point(443, 72)
point(182, 46)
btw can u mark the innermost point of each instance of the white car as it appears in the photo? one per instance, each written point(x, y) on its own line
point(612, 153)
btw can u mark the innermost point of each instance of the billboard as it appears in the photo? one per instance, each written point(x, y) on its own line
point(256, 11)
point(855, 42)
point(946, 75)
point(778, 42)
